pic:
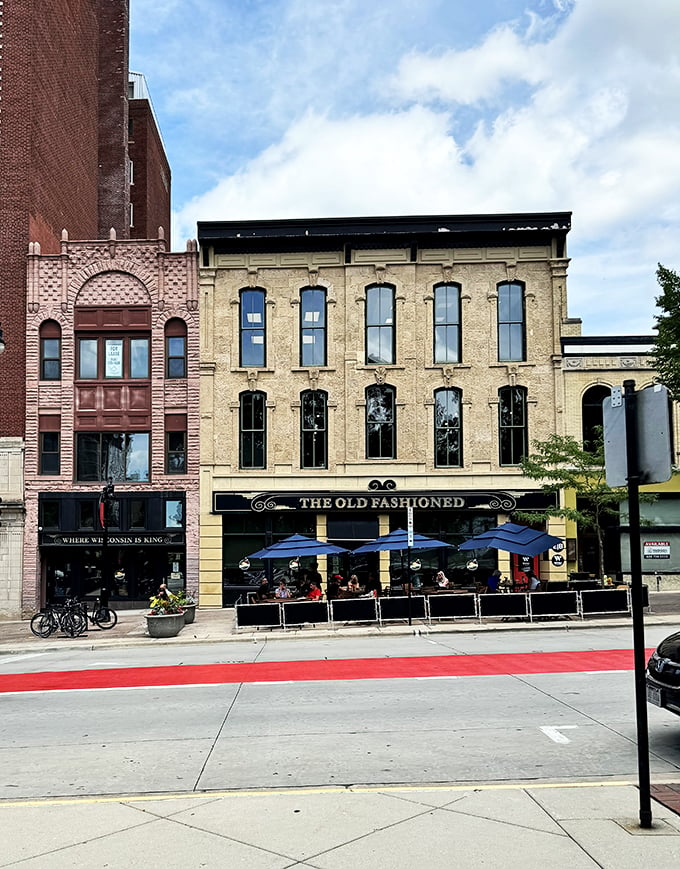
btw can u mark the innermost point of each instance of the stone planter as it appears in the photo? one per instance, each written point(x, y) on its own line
point(164, 626)
point(189, 612)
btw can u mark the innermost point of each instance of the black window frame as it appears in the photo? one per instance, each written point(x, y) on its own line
point(248, 447)
point(379, 325)
point(314, 438)
point(247, 331)
point(445, 327)
point(48, 361)
point(448, 439)
point(175, 330)
point(513, 429)
point(511, 329)
point(592, 415)
point(317, 332)
point(176, 453)
point(381, 432)
point(54, 453)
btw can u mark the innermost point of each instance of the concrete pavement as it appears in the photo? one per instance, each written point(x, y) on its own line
point(527, 826)
point(523, 824)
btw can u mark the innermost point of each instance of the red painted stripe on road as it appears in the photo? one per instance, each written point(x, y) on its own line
point(313, 671)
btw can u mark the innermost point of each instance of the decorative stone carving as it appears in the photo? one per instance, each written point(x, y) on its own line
point(380, 375)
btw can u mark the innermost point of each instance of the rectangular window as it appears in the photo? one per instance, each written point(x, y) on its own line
point(139, 358)
point(88, 366)
point(314, 433)
point(122, 456)
point(511, 323)
point(252, 425)
point(50, 358)
point(174, 514)
point(49, 514)
point(253, 329)
point(512, 424)
point(312, 327)
point(380, 334)
point(447, 323)
point(380, 423)
point(176, 354)
point(85, 513)
point(176, 452)
point(114, 358)
point(447, 429)
point(50, 455)
point(137, 513)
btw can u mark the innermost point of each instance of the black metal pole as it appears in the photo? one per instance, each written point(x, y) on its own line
point(630, 399)
point(107, 497)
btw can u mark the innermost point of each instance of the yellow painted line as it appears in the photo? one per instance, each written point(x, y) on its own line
point(301, 792)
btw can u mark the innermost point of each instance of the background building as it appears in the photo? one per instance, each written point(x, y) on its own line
point(64, 163)
point(353, 367)
point(113, 385)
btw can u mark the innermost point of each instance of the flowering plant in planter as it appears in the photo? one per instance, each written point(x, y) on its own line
point(184, 598)
point(161, 606)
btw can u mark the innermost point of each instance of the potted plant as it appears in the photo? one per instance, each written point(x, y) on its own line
point(188, 603)
point(165, 618)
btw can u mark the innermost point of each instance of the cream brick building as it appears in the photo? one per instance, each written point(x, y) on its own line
point(353, 367)
point(112, 393)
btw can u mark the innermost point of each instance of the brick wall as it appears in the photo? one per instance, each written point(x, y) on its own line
point(150, 192)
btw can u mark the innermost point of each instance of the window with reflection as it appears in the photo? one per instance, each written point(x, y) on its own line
point(381, 433)
point(511, 323)
point(174, 513)
point(380, 326)
point(175, 348)
point(252, 430)
point(253, 329)
point(512, 424)
point(448, 441)
point(447, 338)
point(314, 429)
point(312, 326)
point(125, 357)
point(592, 416)
point(50, 350)
point(122, 456)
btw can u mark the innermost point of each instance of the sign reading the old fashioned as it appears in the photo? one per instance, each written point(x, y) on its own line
point(323, 502)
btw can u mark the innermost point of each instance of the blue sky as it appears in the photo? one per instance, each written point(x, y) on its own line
point(310, 108)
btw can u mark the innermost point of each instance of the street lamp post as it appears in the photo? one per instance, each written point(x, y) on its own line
point(105, 501)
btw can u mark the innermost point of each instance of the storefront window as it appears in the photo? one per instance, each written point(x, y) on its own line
point(174, 514)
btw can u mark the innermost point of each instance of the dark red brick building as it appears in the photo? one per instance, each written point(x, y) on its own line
point(64, 158)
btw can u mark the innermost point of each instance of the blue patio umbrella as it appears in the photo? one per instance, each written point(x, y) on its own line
point(510, 537)
point(295, 546)
point(399, 540)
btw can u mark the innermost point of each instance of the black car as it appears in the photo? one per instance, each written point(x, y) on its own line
point(663, 675)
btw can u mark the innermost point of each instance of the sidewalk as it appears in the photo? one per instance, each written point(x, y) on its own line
point(218, 626)
point(523, 826)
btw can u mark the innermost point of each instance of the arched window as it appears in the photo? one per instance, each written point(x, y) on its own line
point(381, 429)
point(380, 332)
point(512, 424)
point(312, 326)
point(252, 430)
point(253, 329)
point(448, 428)
point(175, 348)
point(50, 350)
point(447, 338)
point(313, 429)
point(511, 323)
point(592, 416)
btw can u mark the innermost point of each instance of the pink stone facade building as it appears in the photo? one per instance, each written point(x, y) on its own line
point(112, 359)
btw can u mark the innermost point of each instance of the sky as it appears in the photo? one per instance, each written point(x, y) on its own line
point(326, 108)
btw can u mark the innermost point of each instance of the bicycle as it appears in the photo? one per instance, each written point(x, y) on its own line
point(101, 616)
point(67, 617)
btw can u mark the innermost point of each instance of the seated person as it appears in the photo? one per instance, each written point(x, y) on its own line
point(534, 581)
point(282, 591)
point(353, 584)
point(262, 592)
point(333, 587)
point(373, 585)
point(314, 592)
point(442, 580)
point(492, 582)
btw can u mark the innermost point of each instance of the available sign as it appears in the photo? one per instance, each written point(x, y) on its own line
point(656, 549)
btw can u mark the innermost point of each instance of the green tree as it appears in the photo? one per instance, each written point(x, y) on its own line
point(561, 463)
point(666, 353)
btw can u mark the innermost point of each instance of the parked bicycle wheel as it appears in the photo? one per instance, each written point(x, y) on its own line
point(43, 624)
point(73, 623)
point(105, 618)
